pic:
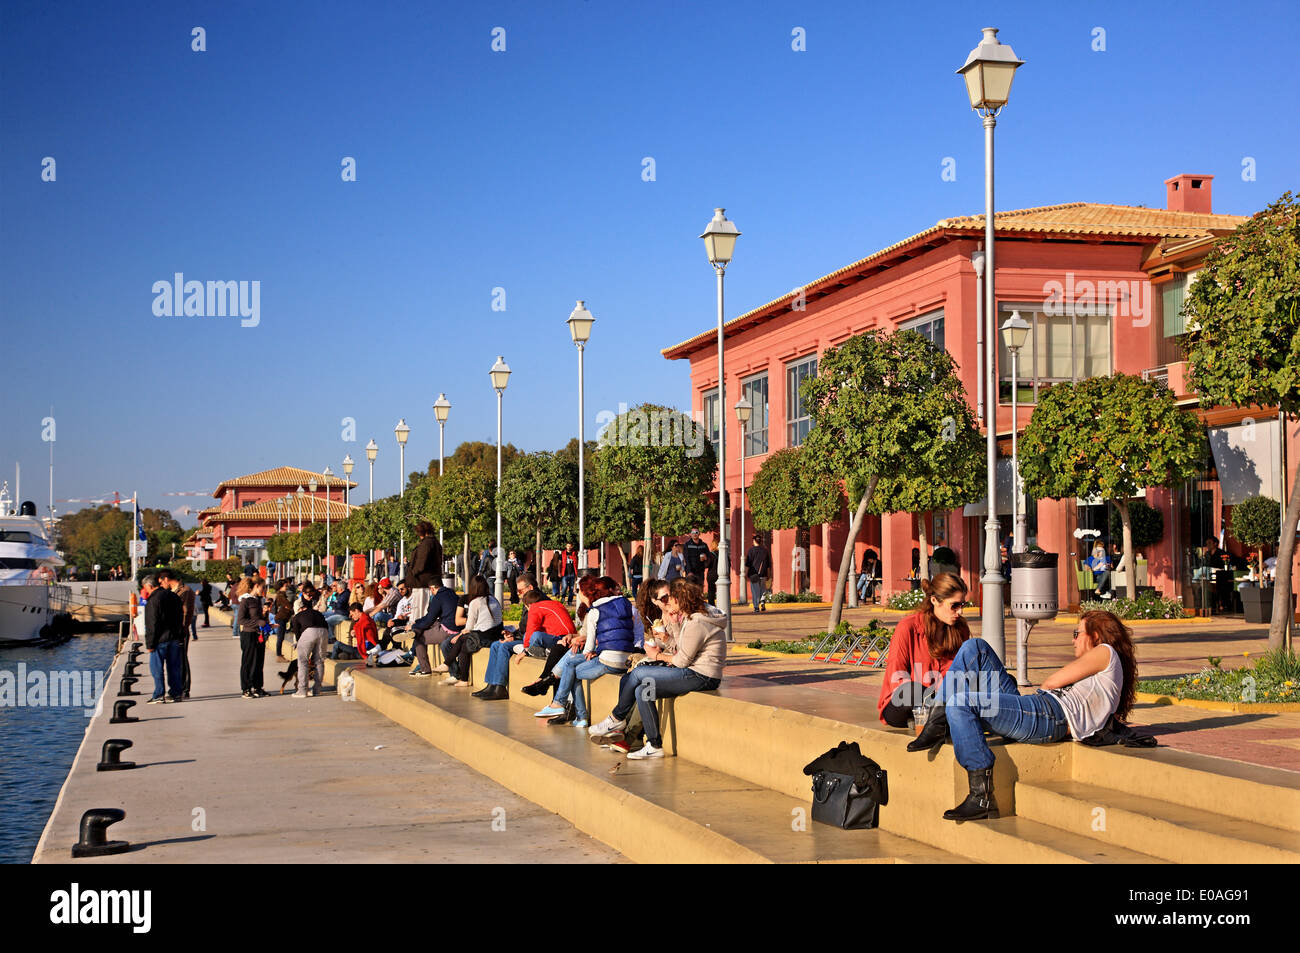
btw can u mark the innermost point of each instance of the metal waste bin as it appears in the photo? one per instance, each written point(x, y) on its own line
point(1034, 593)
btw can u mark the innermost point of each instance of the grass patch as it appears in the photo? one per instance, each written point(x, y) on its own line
point(1274, 677)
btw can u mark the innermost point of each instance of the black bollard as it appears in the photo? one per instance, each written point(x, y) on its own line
point(129, 668)
point(128, 685)
point(120, 717)
point(94, 824)
point(108, 758)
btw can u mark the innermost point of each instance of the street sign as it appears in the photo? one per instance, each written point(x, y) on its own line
point(137, 547)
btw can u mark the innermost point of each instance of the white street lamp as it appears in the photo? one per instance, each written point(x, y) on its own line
point(301, 493)
point(500, 375)
point(347, 503)
point(372, 451)
point(988, 72)
point(744, 409)
point(580, 322)
point(329, 560)
point(402, 432)
point(720, 243)
point(441, 410)
point(1015, 331)
point(311, 485)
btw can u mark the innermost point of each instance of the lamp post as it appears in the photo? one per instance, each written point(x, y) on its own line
point(301, 493)
point(311, 485)
point(1015, 331)
point(372, 451)
point(988, 72)
point(580, 322)
point(329, 559)
point(720, 243)
point(500, 375)
point(743, 411)
point(441, 410)
point(402, 432)
point(347, 505)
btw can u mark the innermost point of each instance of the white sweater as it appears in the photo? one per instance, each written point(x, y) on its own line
point(483, 613)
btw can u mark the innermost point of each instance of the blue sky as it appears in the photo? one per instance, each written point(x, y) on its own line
point(521, 170)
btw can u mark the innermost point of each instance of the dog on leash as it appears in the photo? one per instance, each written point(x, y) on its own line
point(290, 675)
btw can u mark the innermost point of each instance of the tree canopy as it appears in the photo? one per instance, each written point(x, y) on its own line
point(787, 493)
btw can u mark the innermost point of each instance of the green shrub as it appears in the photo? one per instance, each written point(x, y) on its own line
point(778, 597)
point(1148, 605)
point(1275, 677)
point(907, 600)
point(806, 646)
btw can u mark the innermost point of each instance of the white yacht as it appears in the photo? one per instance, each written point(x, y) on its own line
point(32, 607)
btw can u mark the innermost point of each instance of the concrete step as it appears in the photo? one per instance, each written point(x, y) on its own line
point(1023, 840)
point(667, 810)
point(1164, 829)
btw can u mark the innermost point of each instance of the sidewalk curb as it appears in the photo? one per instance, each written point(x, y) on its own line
point(1257, 708)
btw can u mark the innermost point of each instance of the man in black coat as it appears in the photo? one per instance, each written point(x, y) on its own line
point(696, 554)
point(164, 635)
point(425, 568)
point(758, 570)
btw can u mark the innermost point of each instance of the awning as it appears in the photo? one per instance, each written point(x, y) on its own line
point(1005, 483)
point(1245, 457)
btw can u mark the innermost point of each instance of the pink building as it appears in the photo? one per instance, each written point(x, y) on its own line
point(1101, 285)
point(252, 508)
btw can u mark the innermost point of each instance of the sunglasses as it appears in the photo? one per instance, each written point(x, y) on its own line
point(660, 599)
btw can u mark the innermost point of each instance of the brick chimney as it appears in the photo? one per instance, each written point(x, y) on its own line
point(1188, 193)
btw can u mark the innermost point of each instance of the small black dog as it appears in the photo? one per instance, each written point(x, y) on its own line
point(290, 674)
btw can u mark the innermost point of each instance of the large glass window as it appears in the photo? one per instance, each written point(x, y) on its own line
point(797, 420)
point(930, 326)
point(755, 391)
point(711, 427)
point(1061, 347)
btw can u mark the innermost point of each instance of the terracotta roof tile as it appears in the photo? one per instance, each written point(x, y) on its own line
point(280, 476)
point(267, 511)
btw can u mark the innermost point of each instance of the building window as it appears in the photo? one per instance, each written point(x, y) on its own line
point(755, 391)
point(711, 420)
point(1172, 298)
point(930, 326)
point(1060, 348)
point(797, 420)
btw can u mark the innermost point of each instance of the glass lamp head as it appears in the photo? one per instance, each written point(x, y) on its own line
point(720, 238)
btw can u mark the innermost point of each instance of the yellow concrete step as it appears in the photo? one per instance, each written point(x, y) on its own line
point(1022, 840)
point(1164, 829)
point(655, 811)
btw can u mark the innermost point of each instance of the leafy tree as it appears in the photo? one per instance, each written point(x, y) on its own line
point(787, 493)
point(1257, 522)
point(476, 453)
point(1148, 524)
point(464, 501)
point(657, 456)
point(1110, 436)
point(539, 491)
point(887, 409)
point(1243, 345)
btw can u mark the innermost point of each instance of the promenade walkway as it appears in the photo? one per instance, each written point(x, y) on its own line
point(223, 779)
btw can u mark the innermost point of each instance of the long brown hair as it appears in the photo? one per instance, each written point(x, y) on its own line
point(1103, 626)
point(944, 640)
point(646, 607)
point(688, 595)
point(594, 588)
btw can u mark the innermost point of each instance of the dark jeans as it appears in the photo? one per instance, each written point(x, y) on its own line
point(558, 652)
point(756, 591)
point(185, 666)
point(456, 652)
point(902, 700)
point(646, 683)
point(252, 646)
point(568, 587)
point(205, 615)
point(166, 658)
point(636, 584)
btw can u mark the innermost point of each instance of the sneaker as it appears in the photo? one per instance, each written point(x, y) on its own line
point(416, 673)
point(610, 724)
point(440, 669)
point(161, 699)
point(550, 711)
point(449, 680)
point(605, 740)
point(579, 723)
point(649, 751)
point(247, 695)
point(260, 693)
point(298, 695)
point(618, 747)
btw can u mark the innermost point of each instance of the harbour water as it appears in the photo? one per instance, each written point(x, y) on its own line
point(45, 697)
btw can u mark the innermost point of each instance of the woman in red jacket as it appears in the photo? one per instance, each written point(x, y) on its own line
point(922, 648)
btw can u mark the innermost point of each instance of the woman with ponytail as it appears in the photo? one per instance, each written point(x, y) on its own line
point(922, 648)
point(977, 695)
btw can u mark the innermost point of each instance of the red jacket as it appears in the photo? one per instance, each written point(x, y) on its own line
point(909, 660)
point(365, 633)
point(568, 563)
point(547, 615)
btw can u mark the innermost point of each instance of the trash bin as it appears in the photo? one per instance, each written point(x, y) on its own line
point(1034, 593)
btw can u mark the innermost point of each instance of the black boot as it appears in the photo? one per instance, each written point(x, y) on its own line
point(541, 686)
point(935, 731)
point(979, 804)
point(484, 691)
point(494, 693)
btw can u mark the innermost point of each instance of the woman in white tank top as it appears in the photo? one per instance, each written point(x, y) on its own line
point(977, 695)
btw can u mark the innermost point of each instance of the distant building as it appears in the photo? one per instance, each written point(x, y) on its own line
point(252, 509)
point(1102, 285)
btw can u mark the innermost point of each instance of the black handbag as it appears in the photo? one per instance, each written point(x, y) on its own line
point(472, 642)
point(848, 801)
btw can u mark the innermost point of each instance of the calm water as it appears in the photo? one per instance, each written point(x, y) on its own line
point(37, 744)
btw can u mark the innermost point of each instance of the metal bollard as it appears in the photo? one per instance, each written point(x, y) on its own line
point(129, 668)
point(128, 685)
point(108, 758)
point(120, 717)
point(94, 825)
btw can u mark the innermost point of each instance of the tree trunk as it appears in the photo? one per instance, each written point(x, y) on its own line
point(465, 581)
point(924, 571)
point(627, 574)
point(646, 565)
point(837, 604)
point(1279, 629)
point(1127, 559)
point(537, 562)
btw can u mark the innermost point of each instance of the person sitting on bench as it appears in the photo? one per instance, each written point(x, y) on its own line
point(922, 648)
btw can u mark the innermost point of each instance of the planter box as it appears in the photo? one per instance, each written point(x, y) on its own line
point(1257, 603)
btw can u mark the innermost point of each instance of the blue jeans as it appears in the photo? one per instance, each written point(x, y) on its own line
point(573, 668)
point(568, 587)
point(498, 667)
point(649, 682)
point(167, 656)
point(756, 591)
point(980, 696)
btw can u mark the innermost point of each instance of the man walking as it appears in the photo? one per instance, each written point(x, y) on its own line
point(696, 556)
point(758, 569)
point(163, 639)
point(189, 619)
point(568, 572)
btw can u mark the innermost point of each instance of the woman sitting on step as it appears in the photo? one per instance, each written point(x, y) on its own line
point(922, 648)
point(978, 695)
